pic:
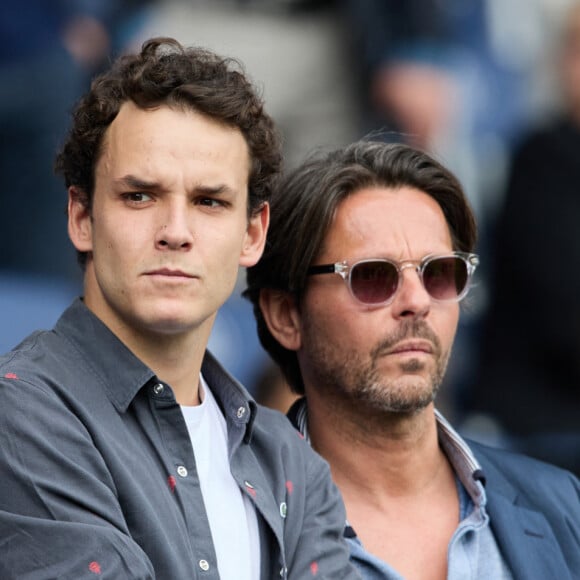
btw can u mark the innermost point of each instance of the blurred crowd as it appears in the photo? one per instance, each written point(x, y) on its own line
point(491, 88)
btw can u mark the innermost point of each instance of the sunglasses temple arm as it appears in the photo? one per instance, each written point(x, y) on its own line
point(322, 269)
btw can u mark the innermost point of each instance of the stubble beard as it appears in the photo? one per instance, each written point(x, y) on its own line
point(349, 380)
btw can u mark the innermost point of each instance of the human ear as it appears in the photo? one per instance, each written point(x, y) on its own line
point(80, 229)
point(255, 237)
point(282, 317)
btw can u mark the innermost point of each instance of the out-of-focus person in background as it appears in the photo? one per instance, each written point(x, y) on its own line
point(526, 391)
point(432, 74)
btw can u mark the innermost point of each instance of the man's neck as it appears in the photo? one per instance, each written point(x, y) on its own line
point(399, 454)
point(398, 486)
point(176, 359)
point(177, 363)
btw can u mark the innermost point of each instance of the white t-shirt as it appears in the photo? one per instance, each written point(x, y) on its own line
point(232, 515)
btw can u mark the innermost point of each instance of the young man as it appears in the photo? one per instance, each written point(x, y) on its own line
point(126, 451)
point(357, 299)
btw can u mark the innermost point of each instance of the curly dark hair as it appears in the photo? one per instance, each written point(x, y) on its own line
point(304, 205)
point(166, 73)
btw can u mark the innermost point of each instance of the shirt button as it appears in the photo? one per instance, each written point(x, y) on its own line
point(158, 389)
point(283, 509)
point(182, 472)
point(204, 565)
point(283, 572)
point(241, 412)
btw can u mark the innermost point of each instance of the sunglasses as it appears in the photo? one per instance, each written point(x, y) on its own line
point(446, 278)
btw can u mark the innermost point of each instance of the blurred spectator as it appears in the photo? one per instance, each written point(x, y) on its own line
point(39, 80)
point(529, 373)
point(449, 76)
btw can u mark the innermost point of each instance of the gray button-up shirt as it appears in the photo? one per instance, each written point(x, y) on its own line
point(98, 476)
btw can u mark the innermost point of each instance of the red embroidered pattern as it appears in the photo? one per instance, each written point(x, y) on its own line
point(95, 567)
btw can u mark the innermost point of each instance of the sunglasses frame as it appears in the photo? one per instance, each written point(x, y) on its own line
point(344, 270)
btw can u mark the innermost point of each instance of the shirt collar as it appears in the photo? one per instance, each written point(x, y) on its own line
point(123, 375)
point(238, 407)
point(118, 370)
point(464, 463)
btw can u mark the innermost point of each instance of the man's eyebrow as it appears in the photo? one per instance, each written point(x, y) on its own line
point(133, 182)
point(136, 183)
point(221, 189)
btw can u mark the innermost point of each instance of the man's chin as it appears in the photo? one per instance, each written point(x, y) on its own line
point(408, 408)
point(407, 399)
point(169, 324)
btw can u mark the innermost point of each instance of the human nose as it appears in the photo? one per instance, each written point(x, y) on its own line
point(175, 229)
point(411, 299)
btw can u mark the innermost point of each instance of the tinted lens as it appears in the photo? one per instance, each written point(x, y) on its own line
point(445, 278)
point(374, 282)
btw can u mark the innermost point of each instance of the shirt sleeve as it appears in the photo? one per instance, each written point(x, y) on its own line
point(59, 514)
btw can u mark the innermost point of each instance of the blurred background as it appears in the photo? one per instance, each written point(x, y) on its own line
point(490, 88)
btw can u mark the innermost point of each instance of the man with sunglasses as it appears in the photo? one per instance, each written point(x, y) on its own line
point(356, 297)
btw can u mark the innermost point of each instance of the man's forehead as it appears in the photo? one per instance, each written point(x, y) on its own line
point(379, 203)
point(149, 142)
point(379, 215)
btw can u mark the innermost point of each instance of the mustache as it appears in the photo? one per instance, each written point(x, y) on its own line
point(409, 329)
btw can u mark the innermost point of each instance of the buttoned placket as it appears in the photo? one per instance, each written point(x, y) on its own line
point(181, 464)
point(245, 470)
point(244, 467)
